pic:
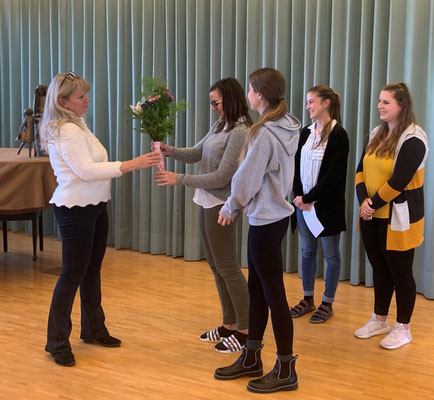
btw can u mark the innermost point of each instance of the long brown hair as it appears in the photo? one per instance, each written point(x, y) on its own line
point(271, 84)
point(234, 103)
point(325, 92)
point(379, 144)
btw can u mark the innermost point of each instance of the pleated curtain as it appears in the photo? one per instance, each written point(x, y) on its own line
point(355, 46)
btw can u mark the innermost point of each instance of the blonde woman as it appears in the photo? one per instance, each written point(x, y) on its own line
point(83, 173)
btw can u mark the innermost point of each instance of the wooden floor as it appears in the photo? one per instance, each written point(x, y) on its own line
point(159, 306)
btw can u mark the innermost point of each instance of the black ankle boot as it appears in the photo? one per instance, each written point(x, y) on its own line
point(281, 377)
point(248, 364)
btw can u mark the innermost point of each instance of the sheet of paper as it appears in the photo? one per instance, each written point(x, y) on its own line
point(312, 222)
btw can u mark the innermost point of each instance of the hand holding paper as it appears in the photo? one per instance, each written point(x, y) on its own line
point(312, 221)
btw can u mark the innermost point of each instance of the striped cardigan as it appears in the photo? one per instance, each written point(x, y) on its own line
point(404, 190)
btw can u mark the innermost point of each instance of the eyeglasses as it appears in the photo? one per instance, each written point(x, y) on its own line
point(70, 76)
point(215, 103)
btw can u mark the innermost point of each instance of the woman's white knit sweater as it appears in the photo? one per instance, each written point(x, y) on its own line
point(80, 163)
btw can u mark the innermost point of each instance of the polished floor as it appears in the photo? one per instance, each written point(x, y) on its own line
point(159, 306)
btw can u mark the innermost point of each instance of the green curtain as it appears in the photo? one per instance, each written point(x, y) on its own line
point(355, 46)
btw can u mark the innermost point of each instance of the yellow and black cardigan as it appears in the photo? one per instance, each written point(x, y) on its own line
point(404, 190)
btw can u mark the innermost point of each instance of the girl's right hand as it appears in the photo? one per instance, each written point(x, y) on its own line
point(223, 221)
point(298, 202)
point(366, 212)
point(166, 149)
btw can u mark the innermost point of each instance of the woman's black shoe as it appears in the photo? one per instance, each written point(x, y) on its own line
point(107, 341)
point(248, 364)
point(64, 358)
point(281, 377)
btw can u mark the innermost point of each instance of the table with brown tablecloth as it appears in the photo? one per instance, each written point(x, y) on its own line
point(26, 184)
point(26, 187)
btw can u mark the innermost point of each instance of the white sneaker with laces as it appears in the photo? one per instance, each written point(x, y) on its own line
point(397, 338)
point(372, 328)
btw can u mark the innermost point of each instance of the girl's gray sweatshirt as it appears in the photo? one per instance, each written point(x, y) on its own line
point(218, 154)
point(264, 179)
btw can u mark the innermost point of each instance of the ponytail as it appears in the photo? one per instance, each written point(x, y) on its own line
point(271, 84)
point(326, 93)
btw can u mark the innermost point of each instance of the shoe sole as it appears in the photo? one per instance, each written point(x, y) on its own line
point(102, 344)
point(320, 321)
point(375, 333)
point(253, 374)
point(286, 388)
point(206, 340)
point(226, 351)
point(64, 364)
point(396, 346)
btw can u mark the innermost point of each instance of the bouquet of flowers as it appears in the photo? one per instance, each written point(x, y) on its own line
point(156, 110)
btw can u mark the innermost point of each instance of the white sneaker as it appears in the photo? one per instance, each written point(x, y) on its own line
point(372, 328)
point(397, 338)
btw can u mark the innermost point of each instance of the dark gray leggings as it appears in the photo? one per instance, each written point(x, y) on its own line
point(221, 253)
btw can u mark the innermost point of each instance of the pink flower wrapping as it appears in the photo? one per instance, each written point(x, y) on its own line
point(155, 146)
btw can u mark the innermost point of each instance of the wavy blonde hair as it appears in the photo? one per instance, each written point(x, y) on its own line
point(54, 115)
point(272, 85)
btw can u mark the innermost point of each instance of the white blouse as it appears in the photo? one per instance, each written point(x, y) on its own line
point(311, 159)
point(80, 163)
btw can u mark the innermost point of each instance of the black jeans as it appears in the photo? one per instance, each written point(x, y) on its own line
point(84, 238)
point(266, 286)
point(393, 270)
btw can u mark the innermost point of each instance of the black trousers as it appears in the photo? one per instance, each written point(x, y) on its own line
point(266, 286)
point(393, 270)
point(84, 238)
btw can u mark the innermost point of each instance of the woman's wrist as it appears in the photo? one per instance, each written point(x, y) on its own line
point(126, 166)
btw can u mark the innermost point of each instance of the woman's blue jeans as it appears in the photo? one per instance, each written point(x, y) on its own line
point(309, 249)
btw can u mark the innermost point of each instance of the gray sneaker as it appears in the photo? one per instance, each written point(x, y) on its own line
point(372, 328)
point(398, 337)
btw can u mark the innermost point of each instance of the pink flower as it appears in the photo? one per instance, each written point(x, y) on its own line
point(153, 99)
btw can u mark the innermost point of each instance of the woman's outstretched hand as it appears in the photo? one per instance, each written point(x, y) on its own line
point(144, 161)
point(165, 178)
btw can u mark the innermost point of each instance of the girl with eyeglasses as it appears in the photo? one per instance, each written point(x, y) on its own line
point(83, 172)
point(217, 154)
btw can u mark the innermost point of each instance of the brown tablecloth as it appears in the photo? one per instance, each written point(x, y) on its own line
point(26, 184)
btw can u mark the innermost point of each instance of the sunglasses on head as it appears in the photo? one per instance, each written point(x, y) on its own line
point(215, 103)
point(70, 76)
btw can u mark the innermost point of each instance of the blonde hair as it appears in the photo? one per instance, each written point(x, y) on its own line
point(325, 92)
point(379, 144)
point(54, 115)
point(271, 84)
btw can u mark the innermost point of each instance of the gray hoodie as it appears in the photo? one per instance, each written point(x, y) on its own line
point(264, 179)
